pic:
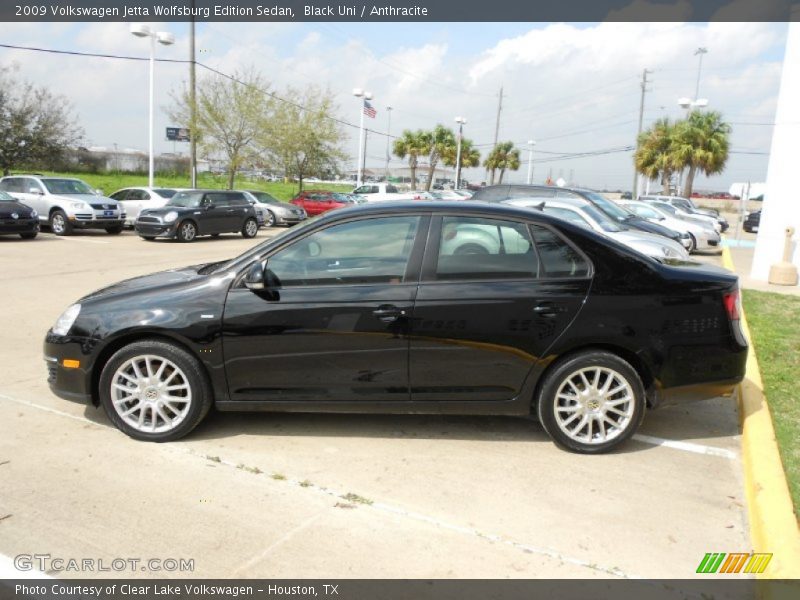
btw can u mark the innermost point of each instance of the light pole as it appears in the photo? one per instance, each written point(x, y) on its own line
point(388, 141)
point(531, 144)
point(699, 52)
point(359, 93)
point(167, 39)
point(461, 122)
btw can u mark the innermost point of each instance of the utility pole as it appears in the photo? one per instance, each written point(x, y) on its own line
point(388, 141)
point(193, 107)
point(643, 84)
point(497, 126)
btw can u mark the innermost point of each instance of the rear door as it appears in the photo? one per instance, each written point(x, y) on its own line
point(494, 296)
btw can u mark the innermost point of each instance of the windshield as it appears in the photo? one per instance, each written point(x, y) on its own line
point(186, 199)
point(610, 208)
point(344, 198)
point(67, 186)
point(602, 219)
point(165, 193)
point(4, 197)
point(666, 207)
point(265, 198)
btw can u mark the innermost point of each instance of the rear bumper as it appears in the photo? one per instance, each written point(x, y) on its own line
point(693, 393)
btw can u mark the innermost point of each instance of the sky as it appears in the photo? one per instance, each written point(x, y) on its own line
point(572, 87)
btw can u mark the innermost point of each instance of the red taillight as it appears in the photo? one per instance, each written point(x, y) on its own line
point(731, 302)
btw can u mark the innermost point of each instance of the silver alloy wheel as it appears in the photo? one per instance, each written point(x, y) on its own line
point(57, 223)
point(594, 405)
point(188, 231)
point(270, 219)
point(151, 394)
point(251, 227)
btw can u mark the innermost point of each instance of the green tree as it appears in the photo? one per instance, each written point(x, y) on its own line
point(700, 143)
point(411, 145)
point(301, 136)
point(230, 115)
point(470, 156)
point(654, 157)
point(37, 126)
point(439, 143)
point(503, 157)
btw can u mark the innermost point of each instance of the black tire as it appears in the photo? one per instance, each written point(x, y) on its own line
point(270, 220)
point(214, 235)
point(471, 249)
point(147, 238)
point(59, 223)
point(29, 236)
point(114, 230)
point(693, 247)
point(201, 395)
point(186, 231)
point(566, 368)
point(249, 228)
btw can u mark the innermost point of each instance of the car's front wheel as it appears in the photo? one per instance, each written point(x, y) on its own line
point(187, 231)
point(154, 391)
point(114, 230)
point(270, 220)
point(59, 224)
point(591, 402)
point(250, 228)
point(29, 235)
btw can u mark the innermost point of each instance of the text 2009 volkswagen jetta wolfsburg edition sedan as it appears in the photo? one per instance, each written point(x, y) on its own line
point(405, 308)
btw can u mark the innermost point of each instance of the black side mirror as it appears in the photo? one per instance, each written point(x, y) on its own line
point(209, 206)
point(255, 280)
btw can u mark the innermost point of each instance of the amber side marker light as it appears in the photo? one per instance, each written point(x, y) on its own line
point(70, 363)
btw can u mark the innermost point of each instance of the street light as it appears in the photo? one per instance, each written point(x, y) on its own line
point(461, 122)
point(699, 52)
point(388, 141)
point(359, 93)
point(531, 144)
point(166, 39)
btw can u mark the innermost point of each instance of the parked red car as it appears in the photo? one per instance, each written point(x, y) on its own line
point(316, 202)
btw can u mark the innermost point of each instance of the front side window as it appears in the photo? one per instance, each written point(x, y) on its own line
point(478, 248)
point(559, 259)
point(370, 251)
point(67, 186)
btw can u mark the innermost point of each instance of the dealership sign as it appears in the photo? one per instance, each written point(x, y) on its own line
point(177, 134)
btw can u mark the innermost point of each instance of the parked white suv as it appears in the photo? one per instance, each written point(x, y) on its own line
point(65, 204)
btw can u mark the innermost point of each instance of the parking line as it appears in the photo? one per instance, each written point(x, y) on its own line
point(686, 446)
point(85, 241)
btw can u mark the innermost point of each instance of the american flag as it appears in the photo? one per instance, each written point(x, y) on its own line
point(369, 110)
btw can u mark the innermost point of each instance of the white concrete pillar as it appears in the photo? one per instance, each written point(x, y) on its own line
point(781, 206)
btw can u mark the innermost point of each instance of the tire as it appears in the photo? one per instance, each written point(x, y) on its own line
point(59, 224)
point(186, 231)
point(250, 228)
point(29, 236)
point(471, 249)
point(693, 247)
point(114, 230)
point(165, 414)
point(270, 220)
point(214, 235)
point(147, 238)
point(591, 411)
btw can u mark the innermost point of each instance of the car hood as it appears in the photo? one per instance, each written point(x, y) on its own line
point(8, 208)
point(148, 283)
point(88, 198)
point(633, 237)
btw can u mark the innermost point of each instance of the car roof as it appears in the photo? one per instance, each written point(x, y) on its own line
point(572, 202)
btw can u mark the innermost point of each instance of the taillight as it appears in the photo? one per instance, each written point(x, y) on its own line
point(731, 301)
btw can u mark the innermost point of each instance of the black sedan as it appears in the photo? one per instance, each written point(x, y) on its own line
point(752, 221)
point(439, 307)
point(17, 218)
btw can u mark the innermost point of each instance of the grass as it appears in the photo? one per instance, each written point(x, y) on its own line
point(773, 321)
point(111, 182)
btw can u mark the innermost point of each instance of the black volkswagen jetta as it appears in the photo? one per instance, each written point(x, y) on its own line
point(439, 307)
point(17, 218)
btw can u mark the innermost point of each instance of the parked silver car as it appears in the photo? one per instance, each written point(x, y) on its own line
point(136, 199)
point(686, 205)
point(65, 204)
point(682, 214)
point(274, 211)
point(584, 213)
point(703, 235)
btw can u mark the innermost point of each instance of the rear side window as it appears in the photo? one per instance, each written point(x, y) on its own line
point(236, 199)
point(559, 259)
point(473, 248)
point(14, 184)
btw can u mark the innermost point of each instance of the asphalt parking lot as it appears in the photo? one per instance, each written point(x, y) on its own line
point(273, 495)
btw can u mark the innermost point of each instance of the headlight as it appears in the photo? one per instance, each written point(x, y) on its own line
point(170, 216)
point(80, 205)
point(66, 320)
point(34, 214)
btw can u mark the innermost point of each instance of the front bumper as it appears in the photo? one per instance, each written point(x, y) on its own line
point(19, 225)
point(96, 223)
point(156, 229)
point(69, 383)
point(289, 219)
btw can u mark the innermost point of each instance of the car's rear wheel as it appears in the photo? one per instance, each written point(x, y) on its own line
point(250, 228)
point(187, 231)
point(591, 402)
point(59, 224)
point(154, 391)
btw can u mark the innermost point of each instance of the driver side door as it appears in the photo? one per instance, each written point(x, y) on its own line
point(333, 326)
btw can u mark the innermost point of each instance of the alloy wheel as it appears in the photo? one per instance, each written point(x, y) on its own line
point(251, 227)
point(58, 224)
point(188, 231)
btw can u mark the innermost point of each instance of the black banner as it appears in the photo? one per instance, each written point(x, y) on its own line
point(401, 10)
point(393, 589)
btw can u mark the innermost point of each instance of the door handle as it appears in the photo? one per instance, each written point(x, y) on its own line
point(545, 309)
point(388, 313)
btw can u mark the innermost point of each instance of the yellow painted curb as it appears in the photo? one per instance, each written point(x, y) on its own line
point(773, 526)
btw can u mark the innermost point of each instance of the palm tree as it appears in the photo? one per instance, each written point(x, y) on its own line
point(503, 156)
point(654, 156)
point(411, 144)
point(439, 143)
point(701, 143)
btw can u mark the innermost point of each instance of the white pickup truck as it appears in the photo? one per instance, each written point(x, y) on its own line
point(378, 192)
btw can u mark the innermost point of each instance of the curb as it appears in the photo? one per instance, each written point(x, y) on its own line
point(773, 525)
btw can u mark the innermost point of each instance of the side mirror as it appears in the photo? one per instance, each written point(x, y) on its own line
point(35, 190)
point(209, 206)
point(99, 191)
point(254, 280)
